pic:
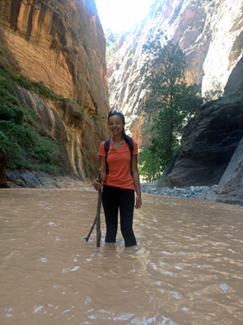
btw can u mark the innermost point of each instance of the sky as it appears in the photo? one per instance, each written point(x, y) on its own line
point(121, 15)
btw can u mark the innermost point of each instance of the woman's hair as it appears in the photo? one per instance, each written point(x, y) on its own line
point(125, 136)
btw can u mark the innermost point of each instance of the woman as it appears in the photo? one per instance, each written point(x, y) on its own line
point(119, 180)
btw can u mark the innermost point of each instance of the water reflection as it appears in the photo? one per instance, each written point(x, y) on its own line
point(186, 269)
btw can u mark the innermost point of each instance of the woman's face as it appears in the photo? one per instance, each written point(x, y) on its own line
point(116, 124)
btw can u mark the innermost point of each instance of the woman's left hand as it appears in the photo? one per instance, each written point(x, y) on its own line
point(138, 202)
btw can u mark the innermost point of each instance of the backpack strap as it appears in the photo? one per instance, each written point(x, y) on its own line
point(107, 147)
point(130, 145)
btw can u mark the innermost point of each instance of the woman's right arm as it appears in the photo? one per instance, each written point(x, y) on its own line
point(98, 186)
point(103, 168)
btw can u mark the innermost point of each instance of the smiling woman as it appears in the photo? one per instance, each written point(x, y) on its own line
point(118, 161)
point(121, 15)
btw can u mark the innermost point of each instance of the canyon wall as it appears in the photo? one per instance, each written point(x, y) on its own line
point(61, 44)
point(212, 145)
point(209, 141)
point(209, 32)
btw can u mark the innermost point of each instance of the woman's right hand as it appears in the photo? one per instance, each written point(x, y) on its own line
point(98, 186)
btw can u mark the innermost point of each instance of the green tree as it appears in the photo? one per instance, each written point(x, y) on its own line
point(148, 164)
point(170, 102)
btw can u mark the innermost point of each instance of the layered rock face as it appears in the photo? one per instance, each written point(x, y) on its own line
point(74, 130)
point(210, 33)
point(211, 151)
point(207, 146)
point(62, 44)
point(230, 188)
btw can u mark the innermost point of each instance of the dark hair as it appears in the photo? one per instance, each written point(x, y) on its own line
point(125, 136)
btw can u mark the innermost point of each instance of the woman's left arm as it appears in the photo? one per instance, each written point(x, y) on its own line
point(136, 182)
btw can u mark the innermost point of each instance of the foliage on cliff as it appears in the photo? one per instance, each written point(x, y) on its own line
point(19, 139)
point(36, 87)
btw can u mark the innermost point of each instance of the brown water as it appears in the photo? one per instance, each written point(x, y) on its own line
point(186, 269)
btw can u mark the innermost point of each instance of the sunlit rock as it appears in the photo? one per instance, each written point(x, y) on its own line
point(60, 43)
point(210, 33)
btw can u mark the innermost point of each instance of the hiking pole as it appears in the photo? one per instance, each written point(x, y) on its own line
point(94, 223)
point(98, 232)
point(97, 217)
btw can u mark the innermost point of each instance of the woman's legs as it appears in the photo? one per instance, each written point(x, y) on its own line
point(126, 203)
point(110, 200)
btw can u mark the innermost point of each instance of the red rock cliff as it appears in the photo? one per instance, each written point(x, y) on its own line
point(62, 44)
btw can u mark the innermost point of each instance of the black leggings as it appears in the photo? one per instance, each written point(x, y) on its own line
point(112, 198)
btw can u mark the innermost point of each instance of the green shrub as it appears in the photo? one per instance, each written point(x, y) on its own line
point(19, 139)
point(23, 146)
point(11, 114)
point(36, 87)
point(96, 118)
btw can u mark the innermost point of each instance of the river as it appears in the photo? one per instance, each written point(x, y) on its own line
point(186, 269)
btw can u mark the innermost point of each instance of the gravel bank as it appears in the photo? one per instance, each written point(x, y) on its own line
point(196, 192)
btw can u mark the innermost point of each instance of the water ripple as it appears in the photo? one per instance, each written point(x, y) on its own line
point(186, 269)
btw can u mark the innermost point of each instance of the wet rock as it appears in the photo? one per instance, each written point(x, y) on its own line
point(47, 181)
point(30, 180)
point(22, 179)
point(27, 179)
point(15, 180)
point(231, 185)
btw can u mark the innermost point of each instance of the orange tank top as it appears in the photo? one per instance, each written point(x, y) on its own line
point(119, 165)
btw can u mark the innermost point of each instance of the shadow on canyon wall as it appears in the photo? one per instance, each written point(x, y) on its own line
point(208, 145)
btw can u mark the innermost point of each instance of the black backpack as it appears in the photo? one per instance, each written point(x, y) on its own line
point(107, 147)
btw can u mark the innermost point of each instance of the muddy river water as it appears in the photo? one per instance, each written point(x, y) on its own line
point(186, 269)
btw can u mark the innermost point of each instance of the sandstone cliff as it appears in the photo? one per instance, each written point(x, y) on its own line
point(210, 33)
point(61, 44)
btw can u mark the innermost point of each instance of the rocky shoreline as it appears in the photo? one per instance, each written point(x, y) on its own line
point(196, 192)
point(27, 179)
point(43, 180)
